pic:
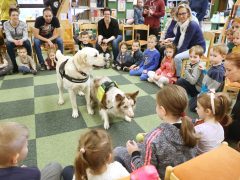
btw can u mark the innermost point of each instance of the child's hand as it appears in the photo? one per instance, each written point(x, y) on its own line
point(131, 146)
point(187, 66)
point(132, 66)
point(136, 68)
point(144, 71)
point(145, 11)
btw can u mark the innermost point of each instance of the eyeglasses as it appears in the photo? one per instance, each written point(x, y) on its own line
point(106, 14)
point(182, 14)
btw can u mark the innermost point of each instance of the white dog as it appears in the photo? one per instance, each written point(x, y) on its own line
point(113, 101)
point(73, 73)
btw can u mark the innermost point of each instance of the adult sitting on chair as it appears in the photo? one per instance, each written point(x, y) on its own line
point(108, 31)
point(188, 34)
point(17, 35)
point(47, 30)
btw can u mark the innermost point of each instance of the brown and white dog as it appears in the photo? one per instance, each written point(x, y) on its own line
point(73, 73)
point(114, 103)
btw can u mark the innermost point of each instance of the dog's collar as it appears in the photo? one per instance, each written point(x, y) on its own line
point(71, 79)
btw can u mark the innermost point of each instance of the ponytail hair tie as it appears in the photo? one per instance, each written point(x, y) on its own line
point(183, 114)
point(82, 150)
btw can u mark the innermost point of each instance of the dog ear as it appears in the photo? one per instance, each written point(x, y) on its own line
point(59, 54)
point(132, 95)
point(119, 97)
point(83, 57)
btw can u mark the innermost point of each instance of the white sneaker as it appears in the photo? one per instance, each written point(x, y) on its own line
point(118, 67)
point(150, 79)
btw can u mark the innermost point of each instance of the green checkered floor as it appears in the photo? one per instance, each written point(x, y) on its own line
point(32, 100)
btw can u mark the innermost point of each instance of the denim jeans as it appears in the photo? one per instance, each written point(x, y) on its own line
point(178, 61)
point(24, 69)
point(37, 47)
point(115, 46)
point(11, 52)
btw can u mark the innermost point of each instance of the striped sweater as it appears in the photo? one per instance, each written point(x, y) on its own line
point(162, 147)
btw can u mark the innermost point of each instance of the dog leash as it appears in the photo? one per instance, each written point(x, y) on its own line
point(71, 79)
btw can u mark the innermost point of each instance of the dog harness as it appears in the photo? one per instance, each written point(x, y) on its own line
point(63, 75)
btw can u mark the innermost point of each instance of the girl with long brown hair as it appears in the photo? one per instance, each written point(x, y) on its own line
point(171, 143)
point(5, 64)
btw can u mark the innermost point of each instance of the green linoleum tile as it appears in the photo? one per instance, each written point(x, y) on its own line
point(148, 123)
point(16, 83)
point(104, 72)
point(123, 131)
point(16, 94)
point(133, 79)
point(31, 160)
point(145, 106)
point(57, 122)
point(1, 84)
point(45, 90)
point(149, 88)
point(29, 121)
point(59, 148)
point(132, 88)
point(120, 80)
point(50, 103)
point(16, 108)
point(47, 79)
point(95, 120)
point(17, 76)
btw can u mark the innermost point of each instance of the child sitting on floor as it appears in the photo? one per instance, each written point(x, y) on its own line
point(137, 55)
point(213, 109)
point(5, 64)
point(214, 77)
point(25, 62)
point(166, 73)
point(193, 76)
point(150, 62)
point(106, 54)
point(51, 60)
point(172, 142)
point(84, 40)
point(94, 159)
point(124, 59)
point(236, 41)
point(14, 149)
point(229, 37)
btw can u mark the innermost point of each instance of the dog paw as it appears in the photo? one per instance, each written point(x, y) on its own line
point(106, 125)
point(75, 114)
point(80, 93)
point(60, 101)
point(90, 111)
point(128, 119)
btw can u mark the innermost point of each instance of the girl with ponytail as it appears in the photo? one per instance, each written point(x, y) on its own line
point(171, 143)
point(213, 109)
point(94, 159)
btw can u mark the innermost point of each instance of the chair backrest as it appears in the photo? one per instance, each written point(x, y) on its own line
point(209, 38)
point(142, 27)
point(221, 163)
point(88, 26)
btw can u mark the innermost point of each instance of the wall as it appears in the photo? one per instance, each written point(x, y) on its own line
point(120, 15)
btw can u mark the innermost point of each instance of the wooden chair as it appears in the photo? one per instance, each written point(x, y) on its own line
point(128, 28)
point(142, 27)
point(232, 88)
point(89, 27)
point(221, 163)
point(67, 35)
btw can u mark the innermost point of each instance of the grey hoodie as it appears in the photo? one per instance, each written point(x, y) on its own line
point(162, 147)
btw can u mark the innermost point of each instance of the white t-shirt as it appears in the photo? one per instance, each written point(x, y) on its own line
point(211, 134)
point(114, 170)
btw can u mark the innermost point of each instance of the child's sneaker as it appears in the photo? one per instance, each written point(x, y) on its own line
point(42, 67)
point(34, 72)
point(113, 65)
point(150, 79)
point(118, 67)
point(125, 68)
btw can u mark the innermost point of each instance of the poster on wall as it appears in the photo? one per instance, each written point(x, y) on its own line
point(121, 5)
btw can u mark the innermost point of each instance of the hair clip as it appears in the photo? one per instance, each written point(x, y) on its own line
point(82, 150)
point(212, 97)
